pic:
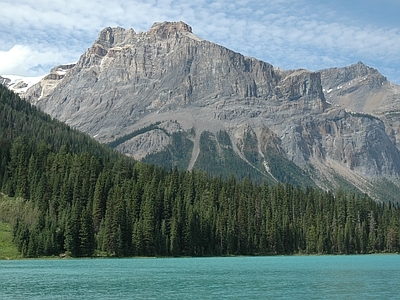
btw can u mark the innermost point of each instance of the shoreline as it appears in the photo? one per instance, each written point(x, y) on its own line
point(222, 256)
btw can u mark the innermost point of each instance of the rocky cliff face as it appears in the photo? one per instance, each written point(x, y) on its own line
point(362, 89)
point(167, 92)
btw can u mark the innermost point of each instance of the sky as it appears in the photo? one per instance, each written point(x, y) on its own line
point(36, 35)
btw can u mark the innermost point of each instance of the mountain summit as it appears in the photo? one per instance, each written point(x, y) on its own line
point(169, 97)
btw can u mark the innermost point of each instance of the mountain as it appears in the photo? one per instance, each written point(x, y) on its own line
point(169, 97)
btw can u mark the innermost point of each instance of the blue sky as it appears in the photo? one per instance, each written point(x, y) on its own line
point(37, 35)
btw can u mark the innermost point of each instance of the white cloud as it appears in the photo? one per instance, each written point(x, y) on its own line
point(24, 61)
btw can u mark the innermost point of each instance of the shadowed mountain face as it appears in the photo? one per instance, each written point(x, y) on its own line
point(168, 97)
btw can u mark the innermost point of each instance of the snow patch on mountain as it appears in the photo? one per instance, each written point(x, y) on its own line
point(20, 84)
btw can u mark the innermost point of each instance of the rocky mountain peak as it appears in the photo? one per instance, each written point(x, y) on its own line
point(334, 78)
point(112, 37)
point(359, 70)
point(165, 29)
point(362, 89)
point(117, 36)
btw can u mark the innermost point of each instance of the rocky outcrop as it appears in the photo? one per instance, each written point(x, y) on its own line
point(127, 81)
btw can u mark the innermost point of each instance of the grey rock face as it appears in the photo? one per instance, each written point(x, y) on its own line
point(127, 81)
point(46, 86)
point(362, 89)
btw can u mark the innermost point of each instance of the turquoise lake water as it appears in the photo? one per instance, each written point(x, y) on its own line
point(282, 277)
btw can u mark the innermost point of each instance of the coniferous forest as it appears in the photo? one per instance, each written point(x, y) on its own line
point(66, 193)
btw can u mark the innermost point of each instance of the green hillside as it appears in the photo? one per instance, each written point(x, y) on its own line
point(217, 157)
point(177, 153)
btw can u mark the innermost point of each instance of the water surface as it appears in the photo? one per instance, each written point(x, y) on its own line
point(283, 277)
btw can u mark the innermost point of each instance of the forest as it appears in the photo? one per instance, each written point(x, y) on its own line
point(67, 194)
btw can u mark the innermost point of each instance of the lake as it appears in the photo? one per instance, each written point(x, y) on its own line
point(275, 277)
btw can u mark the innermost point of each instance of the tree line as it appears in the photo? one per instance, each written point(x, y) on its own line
point(83, 199)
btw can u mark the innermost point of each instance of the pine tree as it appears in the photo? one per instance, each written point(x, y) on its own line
point(86, 234)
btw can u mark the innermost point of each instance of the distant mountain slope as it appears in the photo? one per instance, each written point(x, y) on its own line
point(19, 84)
point(150, 92)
